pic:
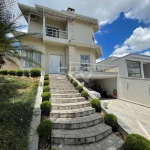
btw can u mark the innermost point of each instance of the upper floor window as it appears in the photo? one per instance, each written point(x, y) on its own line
point(134, 69)
point(85, 61)
point(52, 31)
point(35, 57)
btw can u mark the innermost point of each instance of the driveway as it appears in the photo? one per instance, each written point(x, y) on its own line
point(132, 117)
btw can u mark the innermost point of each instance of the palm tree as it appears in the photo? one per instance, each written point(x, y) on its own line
point(11, 47)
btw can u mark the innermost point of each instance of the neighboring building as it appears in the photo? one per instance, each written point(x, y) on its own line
point(65, 38)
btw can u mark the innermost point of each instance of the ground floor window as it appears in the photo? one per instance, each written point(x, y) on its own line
point(134, 69)
point(34, 57)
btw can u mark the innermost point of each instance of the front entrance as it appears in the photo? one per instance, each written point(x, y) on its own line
point(55, 64)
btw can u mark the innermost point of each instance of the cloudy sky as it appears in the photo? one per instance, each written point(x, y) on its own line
point(124, 24)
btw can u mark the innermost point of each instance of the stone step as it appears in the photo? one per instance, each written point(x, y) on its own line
point(76, 123)
point(73, 113)
point(66, 95)
point(111, 142)
point(67, 106)
point(67, 100)
point(62, 88)
point(64, 91)
point(81, 136)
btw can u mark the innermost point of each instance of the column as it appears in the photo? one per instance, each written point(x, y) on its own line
point(44, 31)
point(29, 23)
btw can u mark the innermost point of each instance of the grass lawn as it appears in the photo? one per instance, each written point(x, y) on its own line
point(17, 97)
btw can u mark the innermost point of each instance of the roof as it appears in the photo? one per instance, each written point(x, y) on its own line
point(57, 15)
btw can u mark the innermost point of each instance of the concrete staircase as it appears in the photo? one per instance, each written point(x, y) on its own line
point(76, 125)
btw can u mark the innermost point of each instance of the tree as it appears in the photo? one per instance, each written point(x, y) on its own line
point(10, 41)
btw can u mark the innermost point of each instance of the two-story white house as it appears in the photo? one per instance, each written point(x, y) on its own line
point(65, 38)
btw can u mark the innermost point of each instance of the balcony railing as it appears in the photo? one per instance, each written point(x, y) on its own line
point(56, 33)
point(73, 66)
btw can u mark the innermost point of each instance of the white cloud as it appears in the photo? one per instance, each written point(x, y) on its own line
point(137, 42)
point(106, 11)
point(146, 53)
point(99, 60)
point(96, 42)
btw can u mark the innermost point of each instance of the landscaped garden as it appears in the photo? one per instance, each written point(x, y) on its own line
point(17, 97)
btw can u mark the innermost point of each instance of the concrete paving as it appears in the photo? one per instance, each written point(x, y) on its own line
point(133, 118)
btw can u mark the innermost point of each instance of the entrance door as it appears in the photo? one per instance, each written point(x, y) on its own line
point(55, 64)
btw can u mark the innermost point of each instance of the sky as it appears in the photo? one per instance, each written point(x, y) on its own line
point(124, 24)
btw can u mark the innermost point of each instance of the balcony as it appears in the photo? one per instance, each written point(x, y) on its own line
point(96, 71)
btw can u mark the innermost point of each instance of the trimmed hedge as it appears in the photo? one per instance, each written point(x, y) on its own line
point(46, 88)
point(71, 80)
point(46, 82)
point(80, 88)
point(3, 72)
point(26, 73)
point(96, 104)
point(44, 128)
point(46, 96)
point(75, 83)
point(111, 120)
point(46, 107)
point(19, 72)
point(35, 72)
point(46, 77)
point(84, 94)
point(136, 142)
point(12, 72)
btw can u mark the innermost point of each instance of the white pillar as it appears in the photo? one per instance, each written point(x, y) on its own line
point(29, 23)
point(68, 28)
point(142, 72)
point(44, 31)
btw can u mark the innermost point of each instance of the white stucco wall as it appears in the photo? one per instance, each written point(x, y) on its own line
point(83, 32)
point(136, 90)
point(146, 68)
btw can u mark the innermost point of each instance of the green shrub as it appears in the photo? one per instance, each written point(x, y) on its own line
point(26, 73)
point(80, 88)
point(46, 88)
point(45, 96)
point(84, 94)
point(12, 72)
point(46, 82)
point(96, 104)
point(71, 80)
point(46, 107)
point(53, 149)
point(111, 120)
point(44, 128)
point(46, 77)
point(35, 72)
point(19, 72)
point(4, 72)
point(136, 142)
point(75, 83)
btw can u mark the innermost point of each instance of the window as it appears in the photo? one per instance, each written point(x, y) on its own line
point(34, 57)
point(85, 62)
point(134, 69)
point(52, 31)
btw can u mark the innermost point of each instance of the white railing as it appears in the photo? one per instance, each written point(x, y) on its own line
point(56, 33)
point(74, 66)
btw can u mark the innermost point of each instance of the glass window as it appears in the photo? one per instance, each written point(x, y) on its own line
point(34, 57)
point(134, 69)
point(85, 61)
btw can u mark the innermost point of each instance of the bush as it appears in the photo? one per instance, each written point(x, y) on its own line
point(111, 120)
point(71, 80)
point(84, 94)
point(46, 77)
point(75, 83)
point(136, 142)
point(19, 72)
point(12, 72)
point(35, 72)
point(96, 104)
point(3, 72)
point(46, 107)
point(46, 82)
point(45, 96)
point(44, 128)
point(46, 88)
point(80, 88)
point(26, 73)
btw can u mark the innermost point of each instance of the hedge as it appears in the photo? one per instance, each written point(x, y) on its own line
point(35, 72)
point(84, 94)
point(96, 104)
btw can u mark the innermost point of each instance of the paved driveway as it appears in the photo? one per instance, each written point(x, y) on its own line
point(132, 117)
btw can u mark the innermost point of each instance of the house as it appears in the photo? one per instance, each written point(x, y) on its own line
point(133, 80)
point(65, 38)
